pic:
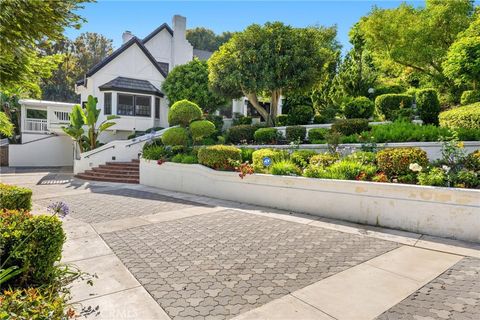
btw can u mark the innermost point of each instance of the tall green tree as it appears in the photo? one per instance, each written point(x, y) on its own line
point(463, 59)
point(206, 39)
point(190, 81)
point(417, 38)
point(6, 126)
point(267, 60)
point(23, 24)
point(90, 48)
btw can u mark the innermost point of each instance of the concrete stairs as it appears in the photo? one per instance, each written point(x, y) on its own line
point(124, 172)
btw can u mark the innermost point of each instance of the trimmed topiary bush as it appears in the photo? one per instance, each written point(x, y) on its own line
point(295, 133)
point(201, 129)
point(350, 126)
point(241, 134)
point(396, 161)
point(40, 250)
point(285, 168)
point(175, 137)
point(359, 107)
point(428, 105)
point(282, 120)
point(219, 157)
point(302, 157)
point(15, 198)
point(469, 97)
point(266, 136)
point(183, 112)
point(467, 117)
point(317, 134)
point(274, 155)
point(393, 106)
point(300, 115)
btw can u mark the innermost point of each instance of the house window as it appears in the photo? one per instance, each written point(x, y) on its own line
point(131, 105)
point(143, 106)
point(36, 114)
point(107, 103)
point(125, 105)
point(157, 108)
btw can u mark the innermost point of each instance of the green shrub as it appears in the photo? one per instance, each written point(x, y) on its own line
point(472, 161)
point(396, 161)
point(393, 106)
point(15, 198)
point(467, 134)
point(359, 107)
point(241, 134)
point(266, 136)
point(219, 157)
point(155, 153)
point(40, 250)
point(466, 179)
point(469, 97)
point(434, 177)
point(183, 112)
point(285, 168)
point(258, 155)
point(320, 119)
point(178, 158)
point(350, 126)
point(462, 117)
point(201, 129)
point(342, 170)
point(175, 137)
point(247, 154)
point(316, 134)
point(405, 131)
point(33, 303)
point(324, 159)
point(282, 120)
point(240, 119)
point(154, 142)
point(216, 120)
point(363, 157)
point(300, 115)
point(388, 89)
point(428, 105)
point(301, 158)
point(189, 159)
point(295, 133)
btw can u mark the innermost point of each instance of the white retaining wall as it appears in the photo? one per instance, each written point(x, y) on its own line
point(47, 151)
point(444, 212)
point(433, 149)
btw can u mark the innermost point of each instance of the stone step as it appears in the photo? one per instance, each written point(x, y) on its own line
point(109, 179)
point(119, 167)
point(111, 175)
point(123, 164)
point(115, 170)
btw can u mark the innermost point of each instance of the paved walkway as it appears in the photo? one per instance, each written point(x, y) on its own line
point(167, 255)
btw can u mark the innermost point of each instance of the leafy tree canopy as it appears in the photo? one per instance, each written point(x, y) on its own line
point(190, 81)
point(206, 39)
point(23, 24)
point(418, 38)
point(270, 59)
point(463, 59)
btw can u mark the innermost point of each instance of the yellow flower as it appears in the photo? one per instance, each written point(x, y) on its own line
point(460, 144)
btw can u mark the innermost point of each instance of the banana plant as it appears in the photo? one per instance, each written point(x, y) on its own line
point(9, 273)
point(91, 114)
point(75, 128)
point(88, 116)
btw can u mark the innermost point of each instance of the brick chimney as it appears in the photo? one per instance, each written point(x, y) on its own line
point(127, 35)
point(182, 51)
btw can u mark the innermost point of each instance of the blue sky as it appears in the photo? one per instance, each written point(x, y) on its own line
point(111, 18)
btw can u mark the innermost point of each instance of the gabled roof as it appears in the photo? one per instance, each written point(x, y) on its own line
point(159, 29)
point(131, 85)
point(117, 52)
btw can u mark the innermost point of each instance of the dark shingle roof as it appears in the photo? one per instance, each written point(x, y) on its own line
point(164, 66)
point(131, 85)
point(117, 52)
point(202, 54)
point(154, 32)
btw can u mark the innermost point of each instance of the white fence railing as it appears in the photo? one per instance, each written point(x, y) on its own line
point(39, 125)
point(61, 116)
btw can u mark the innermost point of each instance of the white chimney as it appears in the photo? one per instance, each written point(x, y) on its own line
point(182, 51)
point(126, 36)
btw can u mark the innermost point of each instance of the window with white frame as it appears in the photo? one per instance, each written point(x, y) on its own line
point(107, 103)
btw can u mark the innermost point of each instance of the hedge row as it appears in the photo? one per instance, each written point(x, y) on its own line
point(15, 198)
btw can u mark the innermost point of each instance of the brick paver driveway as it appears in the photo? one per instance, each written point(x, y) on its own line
point(196, 258)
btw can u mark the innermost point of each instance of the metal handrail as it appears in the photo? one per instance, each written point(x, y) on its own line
point(98, 151)
point(44, 138)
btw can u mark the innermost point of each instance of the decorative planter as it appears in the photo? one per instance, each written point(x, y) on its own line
point(444, 212)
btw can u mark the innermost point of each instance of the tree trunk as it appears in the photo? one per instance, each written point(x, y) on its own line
point(275, 98)
point(252, 97)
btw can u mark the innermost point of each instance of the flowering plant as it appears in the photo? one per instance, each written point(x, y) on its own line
point(415, 167)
